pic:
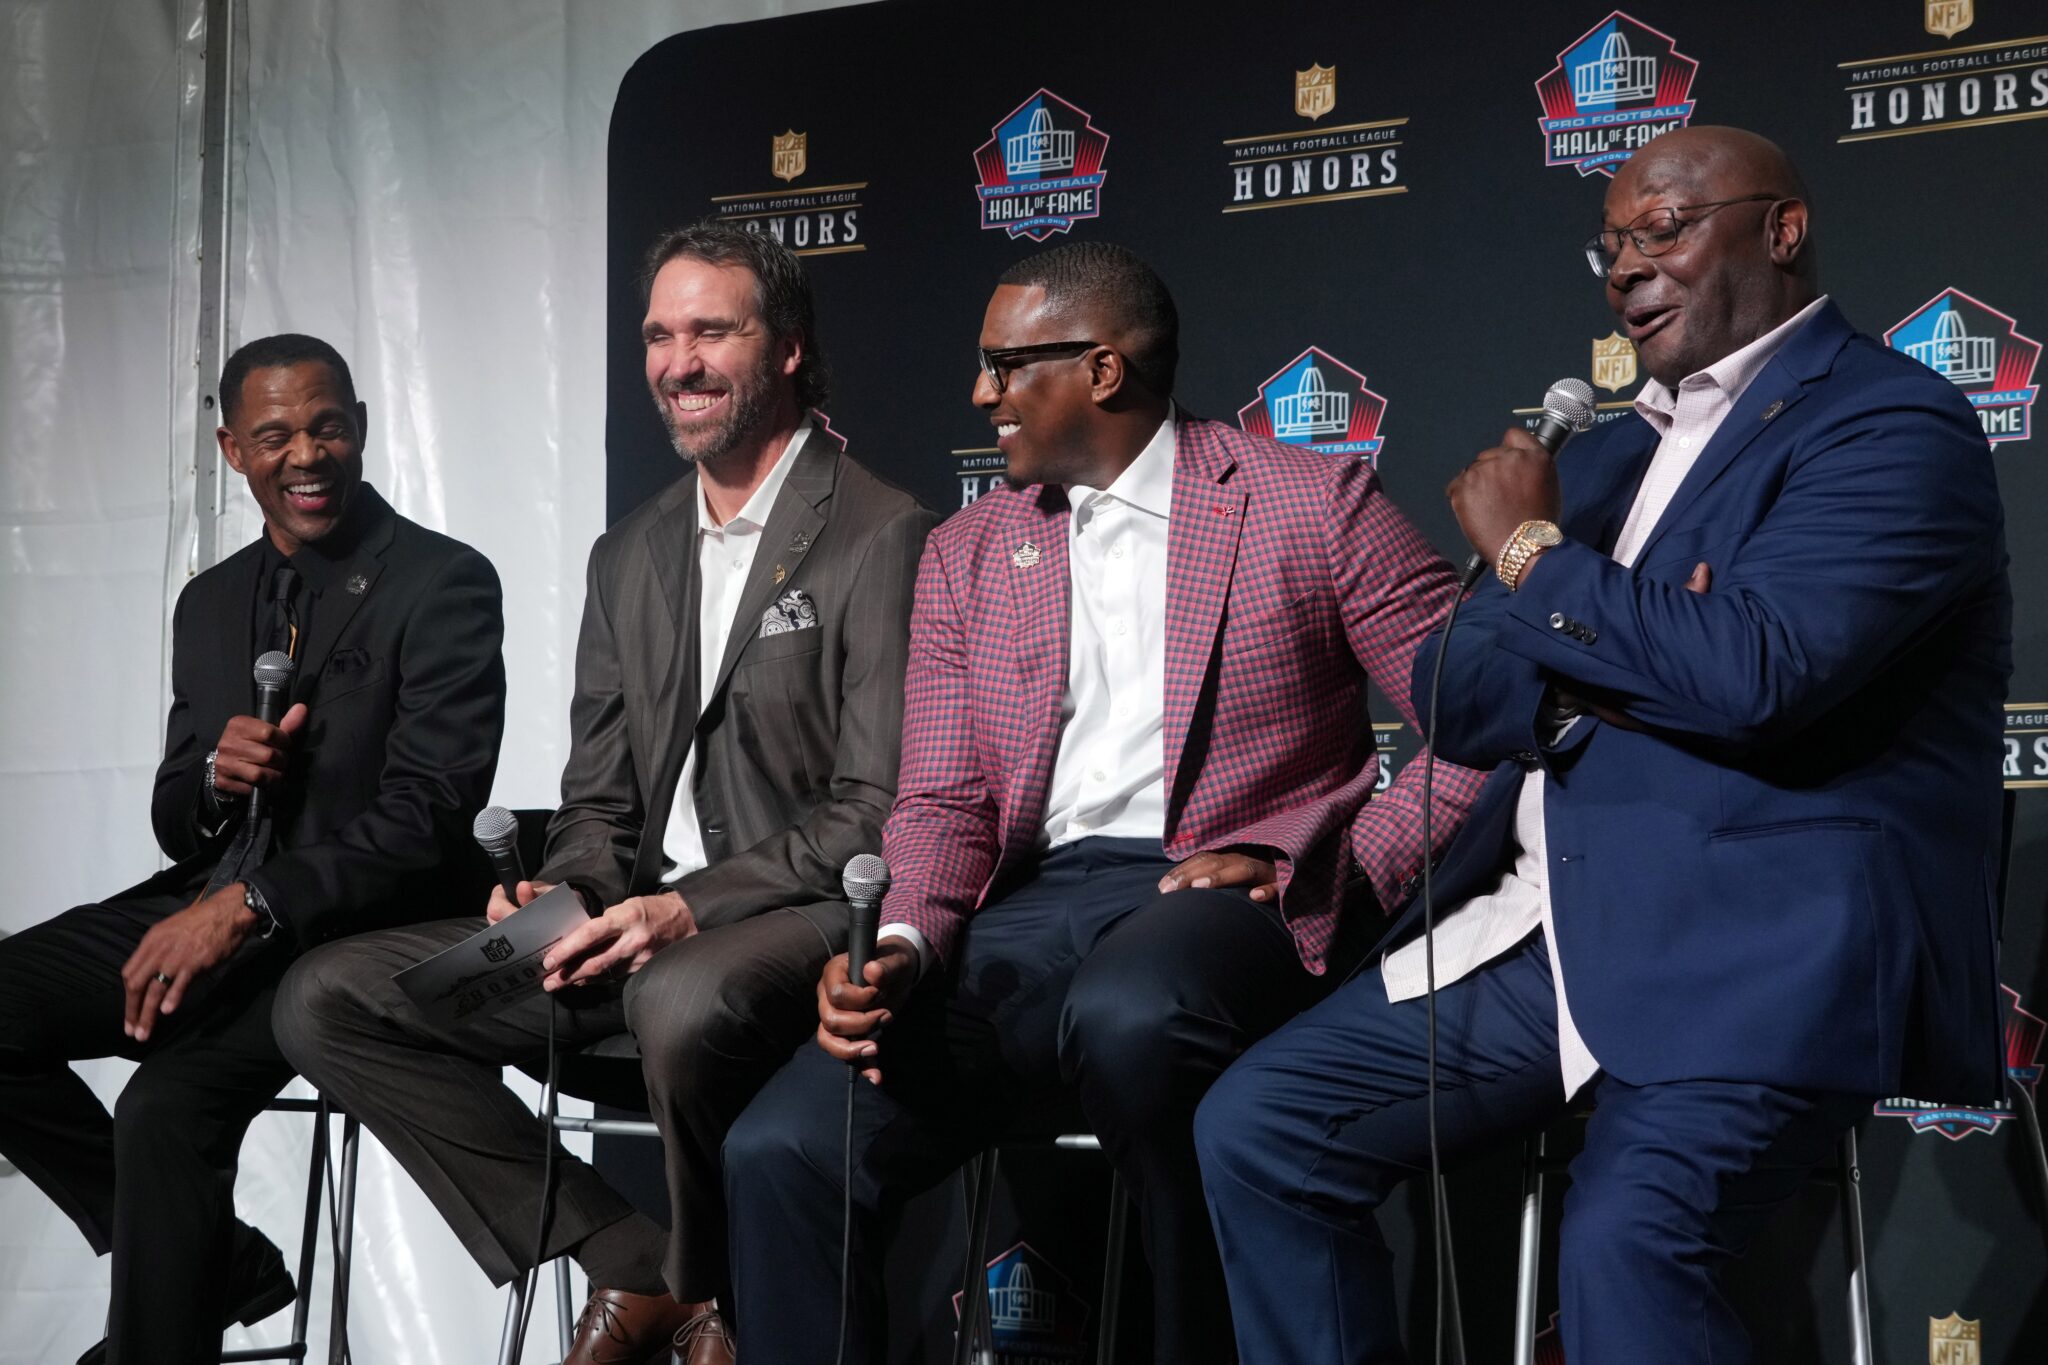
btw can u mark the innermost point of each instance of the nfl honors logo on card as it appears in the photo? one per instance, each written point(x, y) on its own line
point(1618, 85)
point(1316, 400)
point(1981, 349)
point(1041, 172)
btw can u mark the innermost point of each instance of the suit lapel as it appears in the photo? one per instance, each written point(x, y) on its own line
point(1599, 522)
point(1202, 535)
point(356, 578)
point(1806, 356)
point(671, 546)
point(787, 537)
point(1035, 565)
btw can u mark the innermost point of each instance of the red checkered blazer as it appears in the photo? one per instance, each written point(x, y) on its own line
point(1289, 578)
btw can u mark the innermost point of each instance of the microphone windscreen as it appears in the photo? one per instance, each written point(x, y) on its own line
point(496, 828)
point(1570, 401)
point(865, 879)
point(274, 669)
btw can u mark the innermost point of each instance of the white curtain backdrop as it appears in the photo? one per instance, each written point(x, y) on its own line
point(423, 185)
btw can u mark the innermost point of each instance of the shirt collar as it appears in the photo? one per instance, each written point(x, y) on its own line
point(754, 514)
point(1732, 373)
point(1147, 482)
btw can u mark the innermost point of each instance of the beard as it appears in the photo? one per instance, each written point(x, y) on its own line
point(747, 405)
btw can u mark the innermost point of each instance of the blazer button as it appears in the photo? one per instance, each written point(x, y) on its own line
point(1524, 757)
point(1557, 620)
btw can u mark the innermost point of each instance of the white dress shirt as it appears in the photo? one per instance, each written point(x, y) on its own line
point(1109, 772)
point(725, 555)
point(1488, 925)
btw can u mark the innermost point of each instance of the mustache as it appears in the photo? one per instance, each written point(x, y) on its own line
point(704, 383)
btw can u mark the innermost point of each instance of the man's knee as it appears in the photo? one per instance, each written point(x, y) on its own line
point(1133, 1035)
point(319, 996)
point(778, 1142)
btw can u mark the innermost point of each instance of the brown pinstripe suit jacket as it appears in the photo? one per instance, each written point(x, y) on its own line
point(799, 741)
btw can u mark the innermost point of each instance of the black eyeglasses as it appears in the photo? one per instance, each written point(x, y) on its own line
point(1655, 232)
point(998, 364)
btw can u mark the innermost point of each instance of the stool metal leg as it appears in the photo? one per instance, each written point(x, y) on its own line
point(974, 1278)
point(1528, 1264)
point(309, 1232)
point(565, 1312)
point(344, 1239)
point(515, 1304)
point(1860, 1349)
point(1112, 1270)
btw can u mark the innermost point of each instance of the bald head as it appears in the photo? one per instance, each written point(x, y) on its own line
point(1741, 262)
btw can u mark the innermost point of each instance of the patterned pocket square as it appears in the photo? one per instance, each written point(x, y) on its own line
point(794, 610)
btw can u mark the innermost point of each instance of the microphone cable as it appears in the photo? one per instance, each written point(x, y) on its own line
point(1439, 1204)
point(545, 1111)
point(846, 1223)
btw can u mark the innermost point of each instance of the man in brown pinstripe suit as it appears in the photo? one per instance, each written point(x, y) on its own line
point(734, 740)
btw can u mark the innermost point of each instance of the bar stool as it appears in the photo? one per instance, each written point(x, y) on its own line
point(973, 1343)
point(343, 1231)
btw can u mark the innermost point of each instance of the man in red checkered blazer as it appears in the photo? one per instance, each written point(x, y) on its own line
point(1135, 829)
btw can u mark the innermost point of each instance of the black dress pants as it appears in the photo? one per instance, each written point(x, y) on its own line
point(1083, 980)
point(154, 1182)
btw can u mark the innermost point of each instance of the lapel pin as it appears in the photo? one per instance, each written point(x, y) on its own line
point(1025, 556)
point(358, 585)
point(1224, 511)
point(780, 573)
point(1777, 406)
point(800, 544)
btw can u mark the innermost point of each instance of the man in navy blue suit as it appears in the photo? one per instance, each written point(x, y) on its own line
point(1739, 674)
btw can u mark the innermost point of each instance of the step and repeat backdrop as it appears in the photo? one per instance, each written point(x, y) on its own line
point(1371, 217)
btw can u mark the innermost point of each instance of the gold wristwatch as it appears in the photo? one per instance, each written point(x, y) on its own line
point(1522, 546)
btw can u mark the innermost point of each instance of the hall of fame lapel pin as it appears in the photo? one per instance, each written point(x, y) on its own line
point(358, 585)
point(800, 544)
point(780, 574)
point(1026, 556)
point(1777, 406)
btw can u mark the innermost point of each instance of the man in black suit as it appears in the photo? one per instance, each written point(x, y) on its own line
point(734, 740)
point(369, 782)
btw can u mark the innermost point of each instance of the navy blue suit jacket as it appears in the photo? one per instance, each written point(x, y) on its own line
point(1789, 878)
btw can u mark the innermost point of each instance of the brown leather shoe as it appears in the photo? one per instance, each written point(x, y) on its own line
point(618, 1328)
point(705, 1339)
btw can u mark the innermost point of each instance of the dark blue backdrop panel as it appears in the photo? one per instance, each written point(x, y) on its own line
point(1395, 198)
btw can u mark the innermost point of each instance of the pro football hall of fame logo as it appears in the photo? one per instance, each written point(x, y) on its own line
point(1979, 348)
point(822, 220)
point(1315, 165)
point(1619, 85)
point(1041, 172)
point(2023, 1035)
point(1318, 401)
point(1033, 1312)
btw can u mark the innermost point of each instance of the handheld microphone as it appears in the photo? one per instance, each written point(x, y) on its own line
point(865, 881)
point(497, 833)
point(1567, 409)
point(273, 675)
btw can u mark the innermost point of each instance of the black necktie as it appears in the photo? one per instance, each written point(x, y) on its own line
point(284, 612)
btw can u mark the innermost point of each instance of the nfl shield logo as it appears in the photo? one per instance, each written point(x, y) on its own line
point(1947, 18)
point(1614, 362)
point(1315, 91)
point(790, 159)
point(1954, 1340)
point(498, 949)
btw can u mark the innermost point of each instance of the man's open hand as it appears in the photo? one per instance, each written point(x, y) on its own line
point(619, 942)
point(178, 948)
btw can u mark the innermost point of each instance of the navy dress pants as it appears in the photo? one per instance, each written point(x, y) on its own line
point(1305, 1136)
point(1083, 982)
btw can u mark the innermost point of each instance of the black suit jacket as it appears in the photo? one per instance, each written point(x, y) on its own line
point(799, 741)
point(405, 690)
